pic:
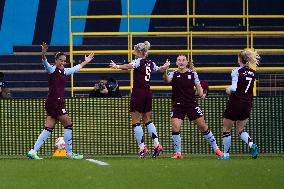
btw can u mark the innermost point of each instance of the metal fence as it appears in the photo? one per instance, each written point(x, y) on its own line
point(270, 84)
point(102, 126)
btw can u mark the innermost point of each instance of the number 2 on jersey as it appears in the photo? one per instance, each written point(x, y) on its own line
point(148, 73)
point(248, 79)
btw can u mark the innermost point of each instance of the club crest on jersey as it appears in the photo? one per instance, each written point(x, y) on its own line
point(189, 76)
point(246, 73)
point(64, 73)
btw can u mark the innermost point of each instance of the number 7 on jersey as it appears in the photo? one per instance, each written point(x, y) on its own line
point(248, 79)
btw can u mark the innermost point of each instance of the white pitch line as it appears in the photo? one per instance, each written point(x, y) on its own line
point(97, 162)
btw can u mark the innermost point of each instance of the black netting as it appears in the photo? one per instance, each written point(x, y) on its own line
point(103, 126)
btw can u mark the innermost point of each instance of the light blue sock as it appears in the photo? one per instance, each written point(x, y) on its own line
point(209, 137)
point(68, 138)
point(152, 131)
point(42, 138)
point(227, 143)
point(176, 141)
point(246, 138)
point(139, 135)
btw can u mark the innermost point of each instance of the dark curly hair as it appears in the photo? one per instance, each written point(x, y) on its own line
point(58, 54)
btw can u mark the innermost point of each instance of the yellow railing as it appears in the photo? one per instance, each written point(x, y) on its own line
point(189, 34)
point(175, 16)
point(214, 69)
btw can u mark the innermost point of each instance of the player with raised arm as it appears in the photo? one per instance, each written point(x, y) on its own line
point(240, 102)
point(141, 97)
point(54, 104)
point(184, 103)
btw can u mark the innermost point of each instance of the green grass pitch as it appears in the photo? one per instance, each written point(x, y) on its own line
point(125, 172)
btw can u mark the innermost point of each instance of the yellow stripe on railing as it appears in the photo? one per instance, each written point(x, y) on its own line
point(221, 69)
point(173, 16)
point(99, 33)
point(102, 52)
point(161, 88)
point(267, 32)
point(98, 17)
point(266, 16)
point(162, 51)
point(176, 51)
point(180, 33)
point(270, 69)
point(98, 70)
point(270, 50)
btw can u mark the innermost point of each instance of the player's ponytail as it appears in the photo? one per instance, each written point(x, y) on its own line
point(190, 65)
point(147, 45)
point(249, 58)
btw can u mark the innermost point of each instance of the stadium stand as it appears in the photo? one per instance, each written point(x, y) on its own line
point(26, 78)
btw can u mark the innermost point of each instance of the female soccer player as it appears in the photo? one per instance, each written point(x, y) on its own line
point(141, 97)
point(240, 102)
point(54, 104)
point(184, 103)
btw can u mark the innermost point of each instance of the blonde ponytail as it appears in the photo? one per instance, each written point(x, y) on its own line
point(147, 45)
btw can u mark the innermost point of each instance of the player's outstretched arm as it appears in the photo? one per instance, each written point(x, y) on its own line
point(88, 59)
point(166, 77)
point(76, 68)
point(44, 48)
point(49, 68)
point(165, 66)
point(121, 66)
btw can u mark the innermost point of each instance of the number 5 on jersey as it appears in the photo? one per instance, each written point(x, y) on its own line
point(148, 73)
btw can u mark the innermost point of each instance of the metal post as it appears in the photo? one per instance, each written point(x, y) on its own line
point(244, 12)
point(251, 40)
point(193, 12)
point(71, 46)
point(191, 59)
point(247, 18)
point(129, 44)
point(187, 28)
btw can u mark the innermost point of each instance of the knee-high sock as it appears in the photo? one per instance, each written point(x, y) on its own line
point(139, 135)
point(246, 138)
point(176, 141)
point(227, 143)
point(42, 138)
point(209, 137)
point(152, 131)
point(68, 138)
